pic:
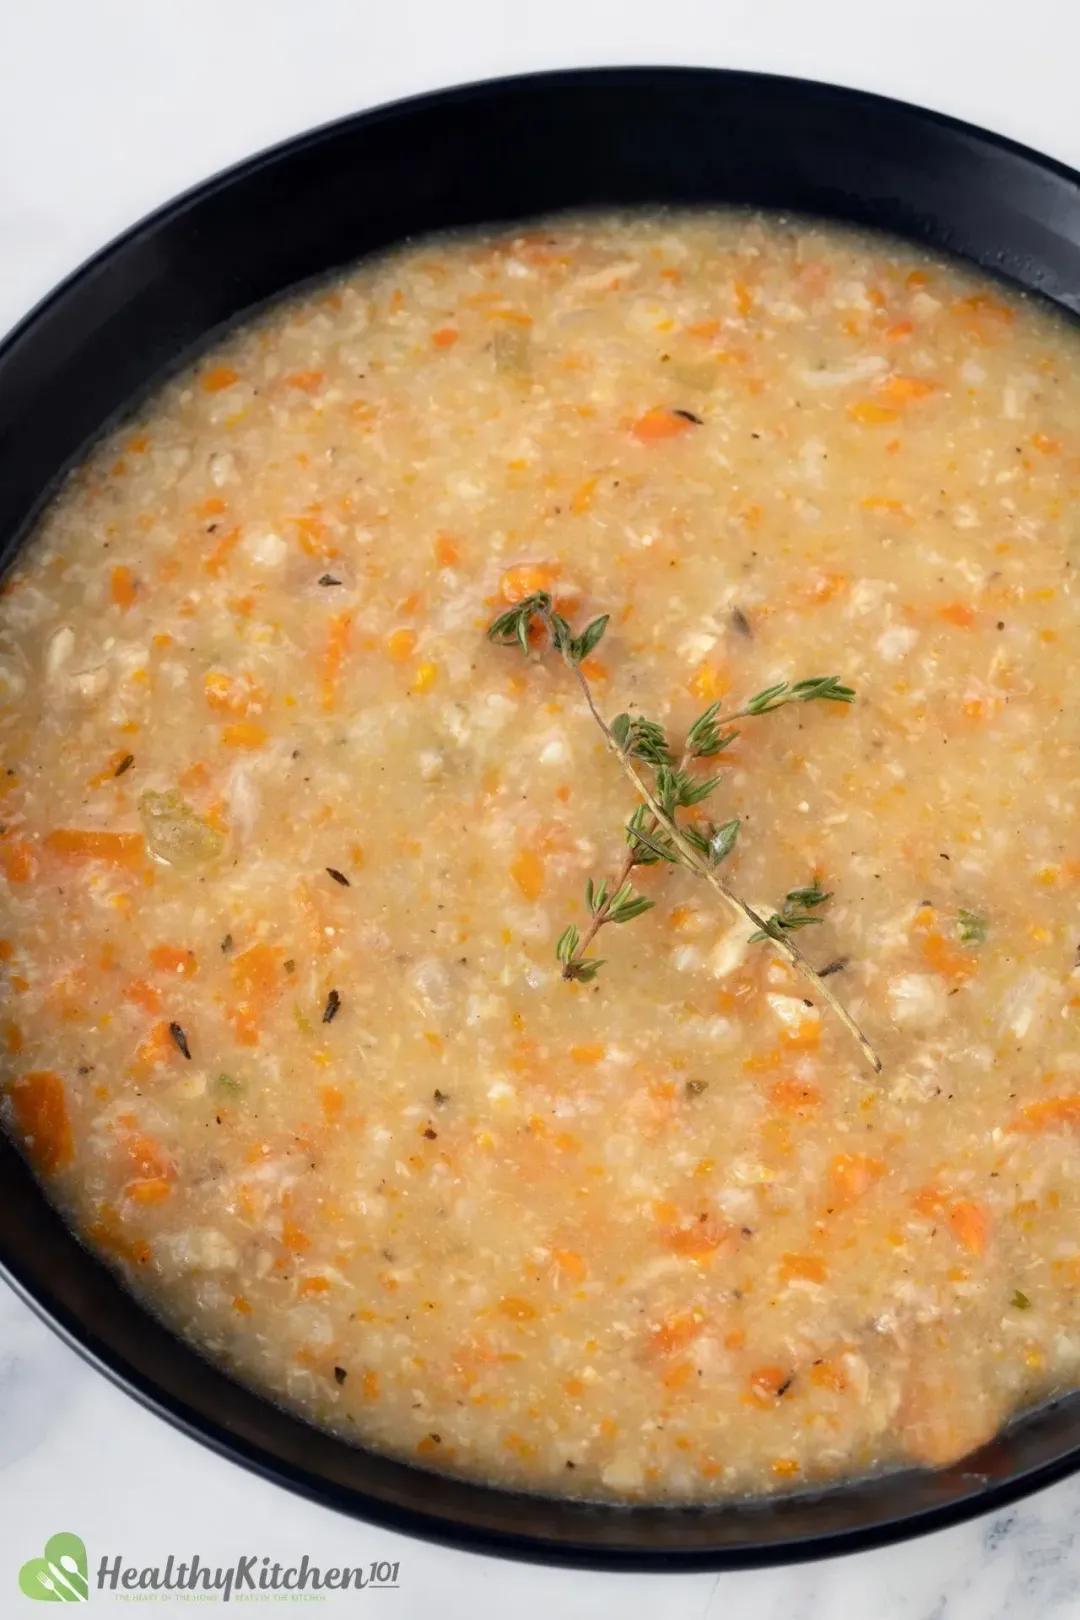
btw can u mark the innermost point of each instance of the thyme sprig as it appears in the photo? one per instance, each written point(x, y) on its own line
point(796, 912)
point(652, 832)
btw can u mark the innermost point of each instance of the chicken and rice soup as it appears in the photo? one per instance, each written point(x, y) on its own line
point(288, 843)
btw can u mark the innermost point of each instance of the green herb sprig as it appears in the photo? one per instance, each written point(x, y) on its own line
point(653, 832)
point(797, 911)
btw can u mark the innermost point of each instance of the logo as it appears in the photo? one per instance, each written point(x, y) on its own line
point(60, 1575)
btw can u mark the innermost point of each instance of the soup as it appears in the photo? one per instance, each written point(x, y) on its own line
point(294, 1030)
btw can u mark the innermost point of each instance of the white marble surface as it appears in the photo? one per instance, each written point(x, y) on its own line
point(108, 107)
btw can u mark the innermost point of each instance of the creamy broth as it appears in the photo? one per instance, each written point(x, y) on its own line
point(287, 845)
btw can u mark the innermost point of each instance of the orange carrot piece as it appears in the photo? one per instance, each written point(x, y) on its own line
point(152, 1190)
point(850, 1176)
point(570, 1262)
point(244, 734)
point(794, 1096)
point(39, 1103)
point(445, 337)
point(143, 995)
point(871, 413)
point(17, 860)
point(525, 579)
point(447, 554)
point(518, 1310)
point(969, 1223)
point(335, 652)
point(123, 587)
point(1053, 1113)
point(708, 682)
point(946, 959)
point(675, 1333)
point(902, 390)
point(659, 424)
point(219, 378)
point(803, 1268)
point(527, 871)
point(305, 381)
point(590, 1053)
point(401, 644)
point(957, 613)
point(174, 959)
point(77, 844)
point(766, 1383)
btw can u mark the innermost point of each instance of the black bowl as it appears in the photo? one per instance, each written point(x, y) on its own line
point(500, 151)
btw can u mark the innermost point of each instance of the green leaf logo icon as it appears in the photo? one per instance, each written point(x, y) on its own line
point(60, 1575)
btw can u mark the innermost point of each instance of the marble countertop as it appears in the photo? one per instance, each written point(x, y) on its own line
point(108, 108)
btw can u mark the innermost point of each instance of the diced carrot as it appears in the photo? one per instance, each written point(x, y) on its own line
point(703, 329)
point(824, 587)
point(871, 412)
point(679, 1375)
point(944, 958)
point(335, 652)
point(803, 1268)
point(107, 1233)
point(828, 1375)
point(174, 959)
point(244, 734)
point(152, 1190)
point(659, 424)
point(305, 381)
point(527, 871)
point(899, 329)
point(219, 378)
point(929, 1201)
point(241, 1306)
point(794, 1096)
point(158, 1047)
point(675, 1333)
point(570, 1262)
point(582, 498)
point(1046, 444)
point(850, 1176)
point(313, 1286)
point(902, 390)
point(445, 337)
point(332, 1101)
point(969, 1223)
point(294, 1238)
point(369, 1384)
point(957, 613)
point(148, 1158)
point(256, 977)
point(588, 1054)
point(401, 644)
point(518, 1310)
point(744, 299)
point(708, 682)
point(123, 587)
point(447, 554)
point(1052, 1113)
point(214, 564)
point(766, 1383)
point(39, 1104)
point(77, 844)
point(143, 995)
point(17, 860)
point(526, 579)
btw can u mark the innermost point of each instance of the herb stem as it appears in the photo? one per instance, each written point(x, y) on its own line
point(696, 862)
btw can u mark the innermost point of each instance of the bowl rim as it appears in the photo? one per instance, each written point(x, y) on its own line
point(988, 1493)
